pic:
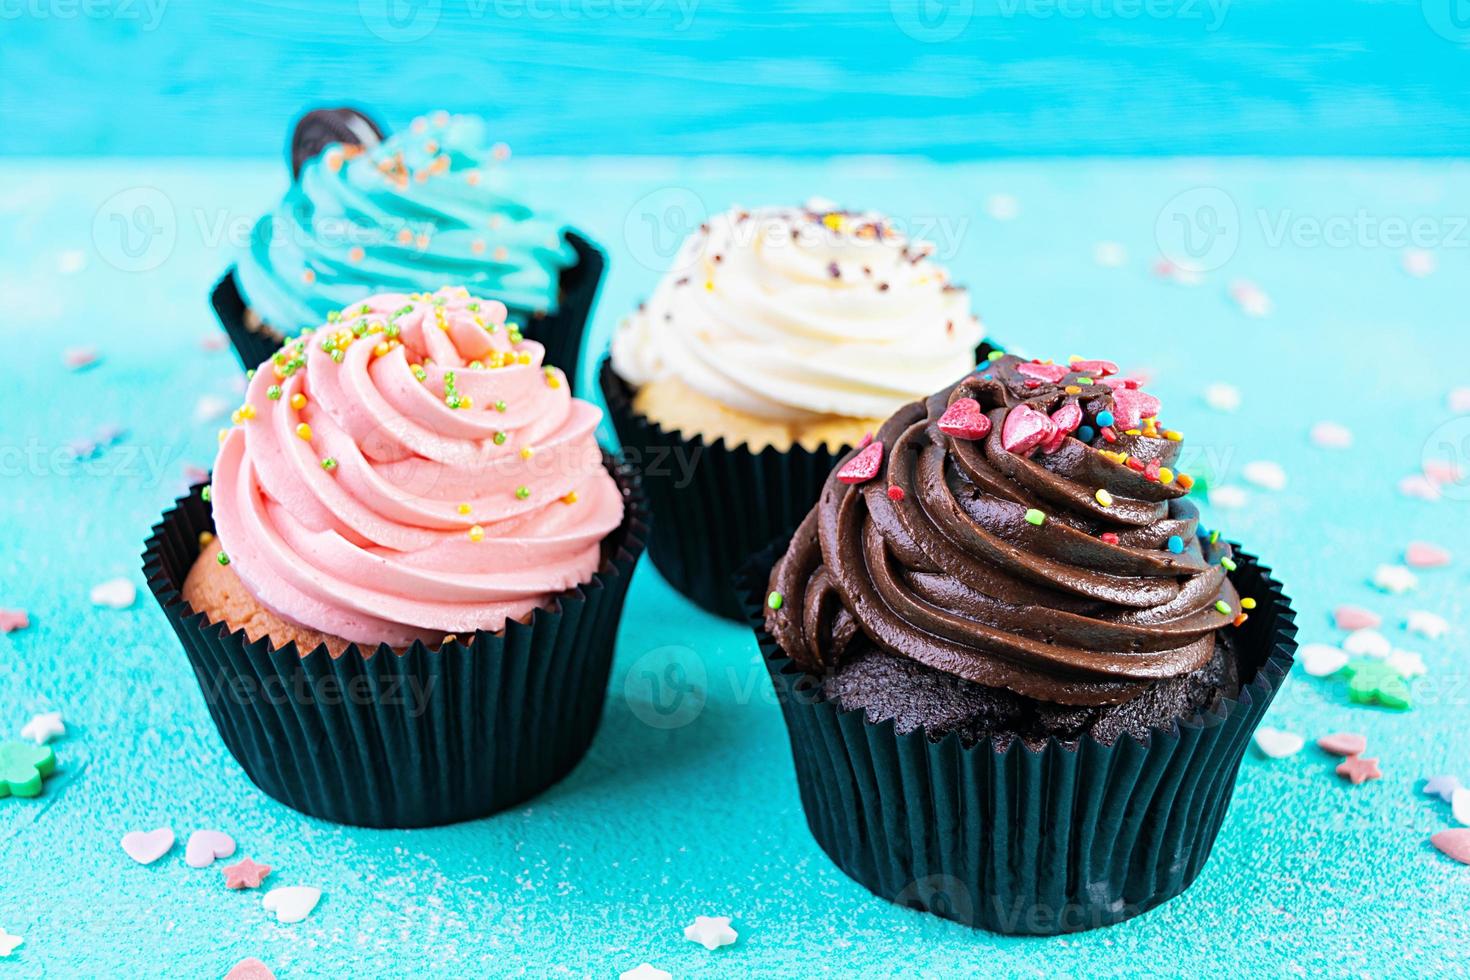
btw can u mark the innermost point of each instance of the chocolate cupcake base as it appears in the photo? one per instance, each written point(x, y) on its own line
point(559, 332)
point(431, 736)
point(1014, 839)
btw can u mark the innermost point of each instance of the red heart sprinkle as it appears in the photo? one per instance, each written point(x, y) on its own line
point(864, 466)
point(1024, 429)
point(1068, 417)
point(1043, 372)
point(1095, 369)
point(1131, 406)
point(1422, 554)
point(964, 419)
point(1453, 844)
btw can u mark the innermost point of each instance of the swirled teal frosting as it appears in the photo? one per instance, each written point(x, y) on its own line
point(427, 207)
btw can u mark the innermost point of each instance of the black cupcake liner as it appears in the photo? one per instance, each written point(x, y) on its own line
point(1020, 841)
point(715, 504)
point(560, 332)
point(431, 736)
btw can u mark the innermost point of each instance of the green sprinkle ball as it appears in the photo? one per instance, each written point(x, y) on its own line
point(1034, 516)
point(774, 600)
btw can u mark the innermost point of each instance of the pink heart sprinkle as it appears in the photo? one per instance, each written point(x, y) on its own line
point(1421, 554)
point(964, 419)
point(1095, 369)
point(1024, 429)
point(1132, 405)
point(1441, 471)
point(1453, 844)
point(13, 619)
point(1419, 486)
point(1352, 618)
point(1068, 417)
point(79, 357)
point(1343, 743)
point(1042, 372)
point(864, 466)
point(250, 968)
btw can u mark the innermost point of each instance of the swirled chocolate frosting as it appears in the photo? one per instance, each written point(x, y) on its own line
point(1023, 529)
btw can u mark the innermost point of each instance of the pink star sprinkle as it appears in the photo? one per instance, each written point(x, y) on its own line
point(1352, 618)
point(245, 874)
point(13, 619)
point(1359, 770)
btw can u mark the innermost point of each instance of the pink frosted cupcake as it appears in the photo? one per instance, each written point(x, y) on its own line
point(409, 501)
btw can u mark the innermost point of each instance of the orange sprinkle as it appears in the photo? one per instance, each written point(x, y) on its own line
point(298, 401)
point(404, 236)
point(307, 276)
point(355, 254)
point(1185, 480)
point(478, 246)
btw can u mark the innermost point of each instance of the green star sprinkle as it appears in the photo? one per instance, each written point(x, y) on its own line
point(23, 766)
point(1375, 682)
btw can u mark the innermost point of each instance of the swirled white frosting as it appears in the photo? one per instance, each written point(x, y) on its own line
point(791, 313)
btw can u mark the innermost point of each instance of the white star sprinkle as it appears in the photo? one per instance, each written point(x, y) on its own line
point(1407, 663)
point(43, 728)
point(1460, 805)
point(645, 971)
point(1460, 401)
point(1265, 474)
point(1427, 624)
point(1222, 397)
point(1109, 255)
point(117, 593)
point(1367, 643)
point(1321, 660)
point(1229, 498)
point(1003, 207)
point(711, 931)
point(1331, 435)
point(8, 943)
point(1395, 579)
point(1419, 262)
point(1443, 787)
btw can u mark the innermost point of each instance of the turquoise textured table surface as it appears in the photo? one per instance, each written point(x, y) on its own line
point(686, 804)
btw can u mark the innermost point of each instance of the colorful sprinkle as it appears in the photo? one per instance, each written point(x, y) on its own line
point(1274, 743)
point(13, 619)
point(774, 600)
point(1108, 537)
point(304, 431)
point(964, 419)
point(522, 492)
point(1175, 544)
point(1422, 554)
point(895, 493)
point(864, 466)
point(1374, 682)
point(1358, 770)
point(1034, 516)
point(1223, 607)
point(1321, 659)
point(22, 768)
point(476, 533)
point(222, 558)
point(1343, 744)
point(329, 464)
point(1104, 498)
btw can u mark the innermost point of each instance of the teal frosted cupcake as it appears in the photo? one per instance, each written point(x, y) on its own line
point(431, 206)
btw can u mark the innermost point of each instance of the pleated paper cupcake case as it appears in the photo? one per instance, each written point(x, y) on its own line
point(734, 503)
point(1020, 841)
point(427, 737)
point(560, 332)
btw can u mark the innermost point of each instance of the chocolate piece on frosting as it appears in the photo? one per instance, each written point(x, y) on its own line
point(320, 128)
point(1053, 556)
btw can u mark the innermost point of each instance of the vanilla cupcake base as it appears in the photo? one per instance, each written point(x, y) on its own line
point(676, 406)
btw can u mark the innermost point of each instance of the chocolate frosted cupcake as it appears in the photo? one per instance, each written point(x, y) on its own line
point(429, 206)
point(1003, 614)
point(781, 338)
point(401, 598)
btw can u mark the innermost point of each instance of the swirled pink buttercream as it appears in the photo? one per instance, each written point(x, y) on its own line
point(412, 470)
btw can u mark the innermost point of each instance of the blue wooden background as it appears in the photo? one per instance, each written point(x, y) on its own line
point(950, 79)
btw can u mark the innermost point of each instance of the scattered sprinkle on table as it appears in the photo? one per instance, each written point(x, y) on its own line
point(1358, 770)
point(1422, 554)
point(1419, 262)
point(1443, 787)
point(1343, 743)
point(8, 943)
point(77, 358)
point(1229, 498)
point(117, 593)
point(147, 846)
point(711, 931)
point(1407, 663)
point(1277, 744)
point(1251, 298)
point(645, 971)
point(1459, 401)
point(13, 619)
point(1355, 618)
point(1419, 487)
point(1265, 474)
point(1109, 255)
point(1331, 435)
point(1321, 659)
point(1367, 643)
point(1394, 579)
point(1453, 844)
point(205, 846)
point(1222, 397)
point(1375, 682)
point(250, 968)
point(1460, 805)
point(1427, 624)
point(245, 873)
point(23, 766)
point(1442, 471)
point(291, 903)
point(1003, 207)
point(43, 728)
